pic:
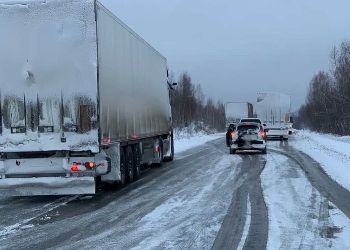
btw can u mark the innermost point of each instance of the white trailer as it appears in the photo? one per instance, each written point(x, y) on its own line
point(274, 110)
point(83, 98)
point(235, 111)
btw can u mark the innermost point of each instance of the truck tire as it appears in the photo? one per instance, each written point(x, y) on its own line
point(137, 161)
point(264, 151)
point(130, 164)
point(232, 151)
point(123, 171)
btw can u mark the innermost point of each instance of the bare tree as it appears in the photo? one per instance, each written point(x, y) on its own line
point(327, 107)
point(189, 107)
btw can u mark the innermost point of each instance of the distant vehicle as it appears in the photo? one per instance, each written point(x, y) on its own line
point(248, 136)
point(281, 133)
point(83, 100)
point(230, 132)
point(234, 111)
point(274, 111)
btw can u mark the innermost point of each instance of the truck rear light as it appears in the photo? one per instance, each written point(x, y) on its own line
point(157, 149)
point(75, 167)
point(90, 165)
point(262, 134)
point(233, 134)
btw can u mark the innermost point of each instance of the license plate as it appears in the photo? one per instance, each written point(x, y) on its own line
point(250, 137)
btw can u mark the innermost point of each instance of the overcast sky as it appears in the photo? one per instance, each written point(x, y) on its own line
point(235, 49)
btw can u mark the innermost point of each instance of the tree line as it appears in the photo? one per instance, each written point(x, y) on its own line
point(327, 107)
point(191, 108)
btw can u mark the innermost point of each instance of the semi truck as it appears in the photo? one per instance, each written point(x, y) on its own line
point(235, 111)
point(83, 99)
point(274, 110)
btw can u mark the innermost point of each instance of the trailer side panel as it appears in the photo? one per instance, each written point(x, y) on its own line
point(48, 76)
point(133, 88)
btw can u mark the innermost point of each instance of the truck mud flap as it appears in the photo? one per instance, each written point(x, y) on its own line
point(46, 186)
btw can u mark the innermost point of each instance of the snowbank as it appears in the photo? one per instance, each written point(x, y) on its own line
point(188, 138)
point(332, 152)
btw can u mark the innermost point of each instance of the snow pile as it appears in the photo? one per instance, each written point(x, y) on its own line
point(332, 152)
point(187, 138)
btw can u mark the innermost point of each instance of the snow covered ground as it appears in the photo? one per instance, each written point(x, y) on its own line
point(299, 217)
point(332, 152)
point(185, 140)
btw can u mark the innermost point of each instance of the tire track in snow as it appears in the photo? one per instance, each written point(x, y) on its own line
point(328, 187)
point(232, 229)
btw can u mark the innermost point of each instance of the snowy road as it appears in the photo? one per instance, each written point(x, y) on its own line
point(205, 199)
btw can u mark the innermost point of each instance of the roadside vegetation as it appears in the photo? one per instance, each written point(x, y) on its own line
point(327, 107)
point(190, 108)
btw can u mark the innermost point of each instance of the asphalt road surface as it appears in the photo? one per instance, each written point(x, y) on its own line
point(205, 199)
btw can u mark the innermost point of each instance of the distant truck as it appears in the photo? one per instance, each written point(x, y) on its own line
point(235, 111)
point(83, 99)
point(274, 110)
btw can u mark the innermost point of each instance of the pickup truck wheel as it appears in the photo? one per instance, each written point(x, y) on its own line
point(137, 161)
point(264, 151)
point(232, 151)
point(123, 171)
point(130, 164)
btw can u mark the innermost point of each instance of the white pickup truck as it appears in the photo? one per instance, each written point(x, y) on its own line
point(279, 131)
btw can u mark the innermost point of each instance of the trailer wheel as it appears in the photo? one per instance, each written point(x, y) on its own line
point(123, 164)
point(137, 161)
point(130, 164)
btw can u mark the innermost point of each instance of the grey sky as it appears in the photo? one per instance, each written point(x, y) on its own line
point(237, 48)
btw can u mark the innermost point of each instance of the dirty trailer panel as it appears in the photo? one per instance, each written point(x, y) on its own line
point(134, 95)
point(48, 76)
